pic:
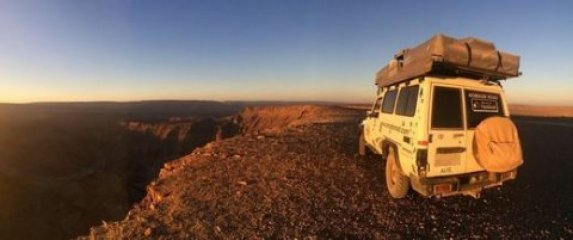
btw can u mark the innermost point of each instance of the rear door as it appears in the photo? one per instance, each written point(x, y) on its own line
point(480, 105)
point(447, 148)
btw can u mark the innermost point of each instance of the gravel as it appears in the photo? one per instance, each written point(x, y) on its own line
point(307, 182)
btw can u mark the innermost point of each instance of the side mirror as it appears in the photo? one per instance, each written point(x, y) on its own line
point(372, 114)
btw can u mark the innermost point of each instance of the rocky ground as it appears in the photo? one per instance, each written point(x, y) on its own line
point(306, 181)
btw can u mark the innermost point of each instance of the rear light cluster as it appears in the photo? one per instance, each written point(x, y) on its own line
point(443, 188)
point(422, 161)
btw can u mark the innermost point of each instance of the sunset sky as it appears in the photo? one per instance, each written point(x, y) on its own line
point(327, 50)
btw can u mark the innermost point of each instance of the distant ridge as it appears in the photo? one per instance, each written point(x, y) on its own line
point(541, 111)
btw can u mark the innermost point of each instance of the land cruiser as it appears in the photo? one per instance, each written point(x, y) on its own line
point(441, 121)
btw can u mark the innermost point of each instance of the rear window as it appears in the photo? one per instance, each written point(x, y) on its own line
point(447, 108)
point(407, 101)
point(481, 105)
point(389, 101)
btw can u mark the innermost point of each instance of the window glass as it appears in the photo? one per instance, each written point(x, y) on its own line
point(389, 101)
point(402, 100)
point(447, 108)
point(412, 101)
point(481, 105)
point(407, 101)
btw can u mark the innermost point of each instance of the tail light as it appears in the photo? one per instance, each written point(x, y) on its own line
point(443, 188)
point(422, 161)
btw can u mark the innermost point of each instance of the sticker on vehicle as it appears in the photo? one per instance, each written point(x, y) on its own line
point(484, 102)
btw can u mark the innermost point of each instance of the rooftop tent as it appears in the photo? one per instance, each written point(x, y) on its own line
point(443, 55)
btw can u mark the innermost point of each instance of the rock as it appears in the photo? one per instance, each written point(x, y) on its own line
point(147, 232)
point(154, 194)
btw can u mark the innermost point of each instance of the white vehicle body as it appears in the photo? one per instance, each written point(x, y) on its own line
point(429, 123)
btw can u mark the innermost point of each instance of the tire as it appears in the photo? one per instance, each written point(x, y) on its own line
point(398, 184)
point(362, 145)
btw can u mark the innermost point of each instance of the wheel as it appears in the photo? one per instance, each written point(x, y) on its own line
point(496, 145)
point(397, 183)
point(362, 144)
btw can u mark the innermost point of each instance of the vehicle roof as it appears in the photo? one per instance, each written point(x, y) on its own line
point(453, 81)
point(467, 83)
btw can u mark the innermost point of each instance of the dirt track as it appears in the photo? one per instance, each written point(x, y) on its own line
point(308, 182)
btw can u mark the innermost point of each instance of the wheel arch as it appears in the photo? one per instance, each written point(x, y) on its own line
point(386, 145)
point(385, 148)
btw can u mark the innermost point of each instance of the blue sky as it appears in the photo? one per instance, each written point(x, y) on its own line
point(261, 50)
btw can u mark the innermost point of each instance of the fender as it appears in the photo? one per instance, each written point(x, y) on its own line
point(387, 143)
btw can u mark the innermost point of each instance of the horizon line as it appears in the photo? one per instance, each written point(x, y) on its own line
point(234, 101)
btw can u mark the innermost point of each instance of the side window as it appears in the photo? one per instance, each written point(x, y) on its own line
point(389, 101)
point(481, 105)
point(407, 101)
point(447, 108)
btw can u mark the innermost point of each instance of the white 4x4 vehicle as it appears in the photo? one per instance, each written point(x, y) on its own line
point(442, 132)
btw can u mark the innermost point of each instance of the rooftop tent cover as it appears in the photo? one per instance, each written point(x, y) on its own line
point(472, 57)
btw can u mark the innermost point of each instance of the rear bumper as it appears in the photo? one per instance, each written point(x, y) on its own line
point(466, 184)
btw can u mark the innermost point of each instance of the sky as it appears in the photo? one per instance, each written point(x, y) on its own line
point(299, 50)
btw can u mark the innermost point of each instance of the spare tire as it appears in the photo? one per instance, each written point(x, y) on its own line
point(496, 145)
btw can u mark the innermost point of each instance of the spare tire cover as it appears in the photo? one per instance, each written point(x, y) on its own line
point(496, 145)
